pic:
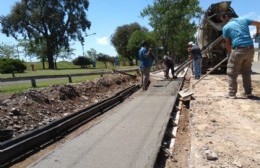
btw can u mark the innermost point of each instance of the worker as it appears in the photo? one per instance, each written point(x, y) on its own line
point(146, 58)
point(195, 55)
point(240, 49)
point(169, 63)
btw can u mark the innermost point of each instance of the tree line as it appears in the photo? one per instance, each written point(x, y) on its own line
point(46, 29)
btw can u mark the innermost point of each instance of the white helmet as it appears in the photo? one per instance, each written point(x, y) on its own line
point(191, 43)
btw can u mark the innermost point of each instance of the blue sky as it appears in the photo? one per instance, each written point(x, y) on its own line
point(107, 15)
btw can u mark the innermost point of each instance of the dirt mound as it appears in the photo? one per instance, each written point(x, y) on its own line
point(31, 109)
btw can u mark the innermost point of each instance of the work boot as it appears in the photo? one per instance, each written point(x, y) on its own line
point(230, 96)
point(148, 83)
point(246, 95)
point(166, 76)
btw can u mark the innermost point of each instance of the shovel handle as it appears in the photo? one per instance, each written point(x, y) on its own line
point(210, 71)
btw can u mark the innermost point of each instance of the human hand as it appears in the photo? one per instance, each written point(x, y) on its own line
point(228, 55)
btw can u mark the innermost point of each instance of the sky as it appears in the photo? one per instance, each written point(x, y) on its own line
point(106, 15)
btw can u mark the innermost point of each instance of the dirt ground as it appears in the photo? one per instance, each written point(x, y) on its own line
point(34, 108)
point(217, 132)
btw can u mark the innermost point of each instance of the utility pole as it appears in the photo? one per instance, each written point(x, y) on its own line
point(257, 40)
point(83, 53)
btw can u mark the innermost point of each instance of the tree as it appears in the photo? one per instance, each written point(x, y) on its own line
point(92, 53)
point(171, 20)
point(33, 49)
point(135, 40)
point(120, 39)
point(55, 22)
point(82, 61)
point(6, 51)
point(63, 54)
point(106, 59)
point(10, 65)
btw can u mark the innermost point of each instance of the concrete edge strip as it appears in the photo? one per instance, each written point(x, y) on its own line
point(175, 129)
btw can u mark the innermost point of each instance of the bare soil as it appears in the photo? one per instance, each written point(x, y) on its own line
point(219, 132)
point(34, 108)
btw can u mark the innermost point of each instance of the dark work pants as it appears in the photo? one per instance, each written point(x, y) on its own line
point(168, 68)
point(240, 60)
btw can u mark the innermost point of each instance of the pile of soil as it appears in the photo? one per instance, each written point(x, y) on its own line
point(34, 108)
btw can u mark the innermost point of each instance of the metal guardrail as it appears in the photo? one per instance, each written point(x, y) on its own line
point(69, 76)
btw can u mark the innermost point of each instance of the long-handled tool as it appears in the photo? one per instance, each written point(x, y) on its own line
point(124, 73)
point(182, 67)
point(188, 92)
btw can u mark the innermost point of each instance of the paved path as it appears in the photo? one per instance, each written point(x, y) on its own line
point(130, 137)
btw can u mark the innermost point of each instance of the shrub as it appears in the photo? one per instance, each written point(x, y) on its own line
point(82, 61)
point(9, 65)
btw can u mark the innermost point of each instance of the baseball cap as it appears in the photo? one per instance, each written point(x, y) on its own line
point(191, 43)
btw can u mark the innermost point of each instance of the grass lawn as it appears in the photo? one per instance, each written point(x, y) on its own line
point(16, 87)
point(64, 68)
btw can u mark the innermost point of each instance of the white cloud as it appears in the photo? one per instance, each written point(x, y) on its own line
point(103, 41)
point(250, 15)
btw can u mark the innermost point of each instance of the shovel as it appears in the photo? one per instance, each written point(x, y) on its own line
point(182, 67)
point(124, 73)
point(189, 92)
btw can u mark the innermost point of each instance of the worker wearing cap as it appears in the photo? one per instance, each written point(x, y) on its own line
point(240, 49)
point(146, 58)
point(196, 57)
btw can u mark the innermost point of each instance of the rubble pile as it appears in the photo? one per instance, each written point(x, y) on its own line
point(32, 109)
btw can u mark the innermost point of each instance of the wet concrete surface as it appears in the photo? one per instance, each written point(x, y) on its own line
point(130, 137)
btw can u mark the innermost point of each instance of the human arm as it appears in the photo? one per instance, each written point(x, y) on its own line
point(228, 42)
point(228, 45)
point(190, 57)
point(255, 23)
point(144, 53)
point(149, 52)
point(189, 51)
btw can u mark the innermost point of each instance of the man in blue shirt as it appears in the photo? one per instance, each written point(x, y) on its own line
point(146, 58)
point(240, 49)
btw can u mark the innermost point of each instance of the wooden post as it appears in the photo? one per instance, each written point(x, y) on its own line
point(138, 72)
point(70, 80)
point(33, 82)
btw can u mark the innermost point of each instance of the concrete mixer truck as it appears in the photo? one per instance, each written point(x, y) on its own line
point(209, 36)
